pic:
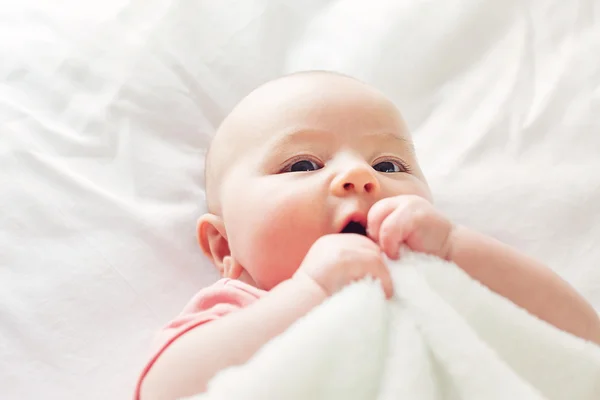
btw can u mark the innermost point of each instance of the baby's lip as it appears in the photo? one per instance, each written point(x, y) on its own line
point(354, 223)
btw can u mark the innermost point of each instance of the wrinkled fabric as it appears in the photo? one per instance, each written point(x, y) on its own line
point(107, 109)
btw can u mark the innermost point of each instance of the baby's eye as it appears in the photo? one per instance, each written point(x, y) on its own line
point(302, 166)
point(390, 167)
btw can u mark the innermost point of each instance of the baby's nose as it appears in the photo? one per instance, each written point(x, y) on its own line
point(357, 180)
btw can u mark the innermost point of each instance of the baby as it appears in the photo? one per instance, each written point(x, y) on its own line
point(309, 181)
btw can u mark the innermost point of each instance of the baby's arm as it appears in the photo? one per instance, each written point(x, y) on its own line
point(413, 221)
point(525, 282)
point(186, 366)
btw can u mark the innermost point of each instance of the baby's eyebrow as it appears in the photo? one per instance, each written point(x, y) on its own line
point(393, 136)
point(287, 138)
point(402, 142)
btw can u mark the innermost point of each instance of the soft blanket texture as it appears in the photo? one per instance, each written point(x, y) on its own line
point(443, 336)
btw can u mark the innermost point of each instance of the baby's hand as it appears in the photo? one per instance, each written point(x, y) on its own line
point(409, 220)
point(336, 260)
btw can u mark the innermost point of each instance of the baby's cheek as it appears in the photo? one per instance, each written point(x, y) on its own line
point(277, 236)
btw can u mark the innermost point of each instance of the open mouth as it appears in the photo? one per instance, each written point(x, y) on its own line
point(355, 227)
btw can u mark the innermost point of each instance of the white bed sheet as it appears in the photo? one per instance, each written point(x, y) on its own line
point(106, 110)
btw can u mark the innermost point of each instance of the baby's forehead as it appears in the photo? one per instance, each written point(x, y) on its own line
point(302, 102)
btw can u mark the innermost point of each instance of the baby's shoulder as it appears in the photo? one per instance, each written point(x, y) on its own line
point(225, 291)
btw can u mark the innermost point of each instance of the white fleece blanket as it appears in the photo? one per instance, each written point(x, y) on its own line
point(443, 336)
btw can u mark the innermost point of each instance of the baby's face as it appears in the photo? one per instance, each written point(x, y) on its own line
point(307, 155)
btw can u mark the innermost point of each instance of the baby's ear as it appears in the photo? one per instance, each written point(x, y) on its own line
point(213, 240)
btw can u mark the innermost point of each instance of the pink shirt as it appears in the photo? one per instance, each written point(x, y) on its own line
point(215, 301)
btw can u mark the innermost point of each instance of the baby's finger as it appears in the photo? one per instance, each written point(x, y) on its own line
point(394, 231)
point(386, 281)
point(377, 214)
